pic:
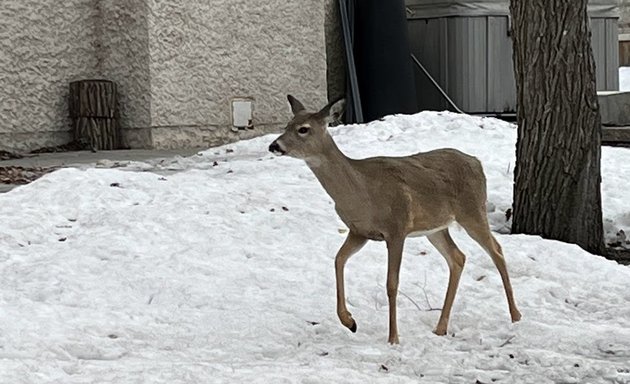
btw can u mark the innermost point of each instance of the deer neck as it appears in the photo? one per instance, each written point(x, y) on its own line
point(337, 174)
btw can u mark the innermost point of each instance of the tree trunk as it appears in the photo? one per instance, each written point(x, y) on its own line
point(557, 174)
point(93, 109)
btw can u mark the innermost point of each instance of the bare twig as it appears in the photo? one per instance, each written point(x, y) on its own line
point(414, 302)
point(426, 297)
point(508, 341)
point(410, 299)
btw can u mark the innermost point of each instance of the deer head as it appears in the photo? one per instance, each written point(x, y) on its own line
point(306, 135)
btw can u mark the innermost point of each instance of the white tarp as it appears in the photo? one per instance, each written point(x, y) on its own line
point(443, 8)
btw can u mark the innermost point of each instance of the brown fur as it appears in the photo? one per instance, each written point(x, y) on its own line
point(390, 198)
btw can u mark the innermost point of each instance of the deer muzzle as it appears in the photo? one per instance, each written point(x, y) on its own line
point(276, 149)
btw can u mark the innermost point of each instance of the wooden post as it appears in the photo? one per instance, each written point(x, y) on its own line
point(93, 108)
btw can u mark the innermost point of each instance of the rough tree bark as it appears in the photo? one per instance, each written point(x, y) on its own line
point(557, 174)
point(93, 108)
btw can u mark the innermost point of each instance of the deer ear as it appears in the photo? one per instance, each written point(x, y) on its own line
point(296, 106)
point(333, 111)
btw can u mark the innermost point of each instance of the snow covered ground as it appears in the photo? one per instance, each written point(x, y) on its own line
point(624, 78)
point(219, 268)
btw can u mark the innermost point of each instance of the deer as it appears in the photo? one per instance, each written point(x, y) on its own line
point(392, 198)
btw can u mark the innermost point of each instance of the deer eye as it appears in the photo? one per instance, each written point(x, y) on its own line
point(303, 130)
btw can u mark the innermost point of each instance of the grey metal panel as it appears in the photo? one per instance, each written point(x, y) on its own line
point(457, 61)
point(598, 42)
point(605, 43)
point(467, 65)
point(478, 71)
point(471, 58)
point(604, 40)
point(501, 83)
point(445, 8)
point(427, 44)
point(603, 8)
point(444, 56)
point(612, 55)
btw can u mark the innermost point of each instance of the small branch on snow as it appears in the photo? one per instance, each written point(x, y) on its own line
point(508, 341)
point(430, 308)
point(410, 299)
point(426, 296)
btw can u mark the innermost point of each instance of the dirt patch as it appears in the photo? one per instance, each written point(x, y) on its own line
point(4, 155)
point(77, 145)
point(21, 175)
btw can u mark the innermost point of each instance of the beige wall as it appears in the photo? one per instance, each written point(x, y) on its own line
point(204, 53)
point(178, 64)
point(44, 45)
point(123, 57)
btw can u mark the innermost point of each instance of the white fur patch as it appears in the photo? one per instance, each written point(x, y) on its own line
point(428, 232)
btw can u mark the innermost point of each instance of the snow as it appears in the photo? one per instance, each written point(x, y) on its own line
point(624, 78)
point(219, 268)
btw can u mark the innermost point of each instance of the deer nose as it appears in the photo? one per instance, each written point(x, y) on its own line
point(275, 148)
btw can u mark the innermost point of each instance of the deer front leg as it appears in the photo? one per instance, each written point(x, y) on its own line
point(394, 259)
point(351, 246)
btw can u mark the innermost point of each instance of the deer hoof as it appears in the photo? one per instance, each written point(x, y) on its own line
point(516, 316)
point(347, 321)
point(439, 331)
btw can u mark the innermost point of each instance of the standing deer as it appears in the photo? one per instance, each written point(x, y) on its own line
point(392, 198)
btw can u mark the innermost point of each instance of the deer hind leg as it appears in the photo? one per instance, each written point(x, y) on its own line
point(394, 259)
point(479, 230)
point(351, 246)
point(455, 259)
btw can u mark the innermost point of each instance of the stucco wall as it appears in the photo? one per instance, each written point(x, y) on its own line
point(122, 32)
point(204, 53)
point(44, 45)
point(178, 64)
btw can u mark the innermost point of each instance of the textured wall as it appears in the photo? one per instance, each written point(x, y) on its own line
point(44, 45)
point(178, 64)
point(205, 52)
point(122, 33)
